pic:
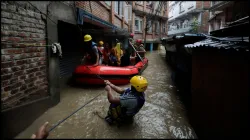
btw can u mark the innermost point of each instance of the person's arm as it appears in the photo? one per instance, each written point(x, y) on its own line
point(42, 132)
point(97, 60)
point(111, 98)
point(115, 88)
point(97, 56)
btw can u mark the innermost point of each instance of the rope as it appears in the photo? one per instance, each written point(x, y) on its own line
point(72, 113)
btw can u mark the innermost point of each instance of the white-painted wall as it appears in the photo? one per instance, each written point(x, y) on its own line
point(174, 8)
point(174, 13)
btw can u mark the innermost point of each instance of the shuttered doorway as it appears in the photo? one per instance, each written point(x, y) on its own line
point(69, 38)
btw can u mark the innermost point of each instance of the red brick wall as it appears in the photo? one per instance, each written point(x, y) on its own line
point(23, 67)
point(117, 21)
point(138, 36)
point(206, 4)
point(149, 36)
point(205, 25)
point(98, 9)
point(198, 4)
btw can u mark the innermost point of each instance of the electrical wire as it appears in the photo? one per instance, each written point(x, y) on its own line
point(42, 12)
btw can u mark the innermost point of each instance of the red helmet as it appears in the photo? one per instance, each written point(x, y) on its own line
point(131, 35)
point(138, 41)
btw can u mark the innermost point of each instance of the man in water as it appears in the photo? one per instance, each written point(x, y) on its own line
point(131, 100)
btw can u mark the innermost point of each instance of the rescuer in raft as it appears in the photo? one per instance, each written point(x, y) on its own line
point(93, 54)
point(131, 39)
point(131, 100)
point(106, 52)
point(140, 50)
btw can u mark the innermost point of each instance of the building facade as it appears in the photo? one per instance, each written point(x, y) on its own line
point(151, 13)
point(224, 12)
point(182, 15)
point(31, 74)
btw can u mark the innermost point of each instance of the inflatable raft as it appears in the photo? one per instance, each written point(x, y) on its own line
point(86, 74)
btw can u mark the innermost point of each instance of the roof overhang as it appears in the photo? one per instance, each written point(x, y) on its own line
point(220, 6)
point(108, 28)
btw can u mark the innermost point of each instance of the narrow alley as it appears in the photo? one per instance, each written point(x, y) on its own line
point(162, 116)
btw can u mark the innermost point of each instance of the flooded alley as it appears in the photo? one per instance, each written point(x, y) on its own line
point(162, 116)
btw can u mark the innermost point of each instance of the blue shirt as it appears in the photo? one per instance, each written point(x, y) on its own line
point(129, 101)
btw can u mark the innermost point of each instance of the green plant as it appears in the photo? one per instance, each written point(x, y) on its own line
point(195, 26)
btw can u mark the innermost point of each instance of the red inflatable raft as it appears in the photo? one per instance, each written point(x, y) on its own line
point(86, 74)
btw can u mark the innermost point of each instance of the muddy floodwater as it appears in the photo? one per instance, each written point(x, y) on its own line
point(162, 116)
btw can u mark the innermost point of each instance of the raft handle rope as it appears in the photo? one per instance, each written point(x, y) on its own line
point(73, 113)
point(96, 74)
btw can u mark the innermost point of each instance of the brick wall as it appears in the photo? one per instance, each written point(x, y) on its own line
point(138, 36)
point(206, 4)
point(98, 9)
point(198, 4)
point(117, 21)
point(205, 23)
point(23, 66)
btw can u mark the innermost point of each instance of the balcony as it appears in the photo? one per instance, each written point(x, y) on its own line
point(178, 31)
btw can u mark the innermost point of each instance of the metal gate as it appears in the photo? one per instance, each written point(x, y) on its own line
point(69, 38)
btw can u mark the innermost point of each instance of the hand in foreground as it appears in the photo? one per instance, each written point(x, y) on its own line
point(95, 64)
point(107, 88)
point(107, 82)
point(42, 133)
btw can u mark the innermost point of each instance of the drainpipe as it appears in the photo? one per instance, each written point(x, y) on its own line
point(202, 7)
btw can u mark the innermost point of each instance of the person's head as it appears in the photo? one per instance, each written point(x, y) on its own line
point(138, 83)
point(88, 39)
point(131, 35)
point(112, 52)
point(138, 41)
point(100, 43)
point(125, 51)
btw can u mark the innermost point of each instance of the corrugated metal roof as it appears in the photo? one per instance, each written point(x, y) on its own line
point(221, 44)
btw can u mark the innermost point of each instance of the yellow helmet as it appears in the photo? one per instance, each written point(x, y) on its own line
point(87, 38)
point(101, 42)
point(139, 83)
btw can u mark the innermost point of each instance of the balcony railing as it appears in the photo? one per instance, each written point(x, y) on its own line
point(178, 31)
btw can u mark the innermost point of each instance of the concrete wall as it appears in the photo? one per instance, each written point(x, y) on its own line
point(174, 8)
point(179, 21)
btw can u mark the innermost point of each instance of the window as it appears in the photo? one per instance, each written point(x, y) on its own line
point(139, 2)
point(157, 27)
point(164, 27)
point(118, 7)
point(149, 27)
point(108, 3)
point(182, 24)
point(138, 24)
point(128, 12)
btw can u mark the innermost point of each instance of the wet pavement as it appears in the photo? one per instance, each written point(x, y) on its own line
point(162, 116)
